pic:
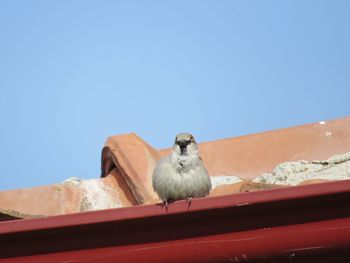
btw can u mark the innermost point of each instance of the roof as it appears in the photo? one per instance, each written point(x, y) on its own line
point(127, 163)
point(235, 223)
point(303, 222)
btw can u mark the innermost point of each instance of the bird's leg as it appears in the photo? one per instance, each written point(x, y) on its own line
point(165, 203)
point(189, 200)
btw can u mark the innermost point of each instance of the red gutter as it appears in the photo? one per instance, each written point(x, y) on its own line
point(298, 224)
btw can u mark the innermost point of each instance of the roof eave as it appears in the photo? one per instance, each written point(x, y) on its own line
point(311, 220)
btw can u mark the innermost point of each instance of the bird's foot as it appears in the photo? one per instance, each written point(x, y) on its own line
point(189, 200)
point(165, 203)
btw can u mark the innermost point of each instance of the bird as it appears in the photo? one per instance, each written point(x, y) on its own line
point(181, 174)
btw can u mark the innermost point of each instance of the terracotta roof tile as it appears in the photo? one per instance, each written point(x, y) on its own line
point(128, 161)
point(134, 160)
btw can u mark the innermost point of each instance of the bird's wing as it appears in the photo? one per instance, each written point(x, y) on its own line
point(162, 172)
point(204, 172)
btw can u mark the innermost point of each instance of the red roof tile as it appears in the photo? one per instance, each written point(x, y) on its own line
point(128, 162)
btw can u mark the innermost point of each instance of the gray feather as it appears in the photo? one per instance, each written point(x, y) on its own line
point(181, 175)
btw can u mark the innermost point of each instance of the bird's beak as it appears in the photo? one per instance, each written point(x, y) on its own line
point(183, 146)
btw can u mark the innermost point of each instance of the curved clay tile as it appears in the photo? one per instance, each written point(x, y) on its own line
point(134, 160)
point(128, 163)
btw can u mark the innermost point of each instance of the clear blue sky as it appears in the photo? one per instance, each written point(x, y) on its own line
point(73, 73)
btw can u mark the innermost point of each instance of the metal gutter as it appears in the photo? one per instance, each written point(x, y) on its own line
point(295, 224)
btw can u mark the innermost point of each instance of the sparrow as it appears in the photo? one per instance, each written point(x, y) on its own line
point(181, 174)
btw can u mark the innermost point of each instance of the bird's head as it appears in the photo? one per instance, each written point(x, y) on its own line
point(185, 144)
